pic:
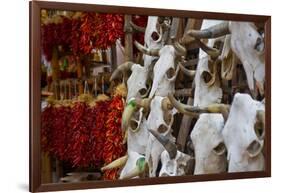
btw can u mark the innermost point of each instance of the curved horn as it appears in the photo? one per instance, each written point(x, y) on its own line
point(121, 69)
point(150, 52)
point(118, 163)
point(187, 72)
point(145, 103)
point(137, 28)
point(212, 32)
point(195, 111)
point(131, 108)
point(128, 113)
point(180, 50)
point(168, 145)
point(181, 107)
point(213, 52)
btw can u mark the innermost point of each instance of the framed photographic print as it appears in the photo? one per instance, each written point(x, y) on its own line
point(125, 96)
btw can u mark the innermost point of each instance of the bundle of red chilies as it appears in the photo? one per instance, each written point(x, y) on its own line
point(84, 135)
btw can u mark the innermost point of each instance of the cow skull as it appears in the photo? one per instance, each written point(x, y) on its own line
point(137, 82)
point(160, 119)
point(174, 162)
point(207, 83)
point(135, 166)
point(138, 134)
point(246, 43)
point(165, 70)
point(244, 134)
point(209, 148)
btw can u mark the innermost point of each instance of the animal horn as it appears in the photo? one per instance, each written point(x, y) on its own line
point(212, 32)
point(118, 163)
point(213, 52)
point(150, 52)
point(181, 50)
point(132, 106)
point(168, 145)
point(121, 69)
point(195, 111)
point(187, 72)
point(181, 107)
point(137, 28)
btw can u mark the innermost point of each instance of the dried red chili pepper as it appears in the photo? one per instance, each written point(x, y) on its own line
point(113, 147)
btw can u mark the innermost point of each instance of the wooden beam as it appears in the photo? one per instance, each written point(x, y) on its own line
point(184, 128)
point(128, 38)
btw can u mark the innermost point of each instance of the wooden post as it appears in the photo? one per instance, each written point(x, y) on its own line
point(46, 174)
point(191, 24)
point(113, 57)
point(184, 128)
point(55, 69)
point(128, 38)
point(79, 75)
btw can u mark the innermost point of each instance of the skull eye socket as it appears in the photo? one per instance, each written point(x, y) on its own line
point(155, 36)
point(206, 76)
point(171, 73)
point(254, 148)
point(168, 118)
point(218, 45)
point(143, 92)
point(220, 149)
point(259, 130)
point(133, 125)
point(162, 128)
point(259, 45)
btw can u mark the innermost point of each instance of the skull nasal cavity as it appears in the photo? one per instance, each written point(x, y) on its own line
point(171, 72)
point(155, 36)
point(206, 76)
point(162, 128)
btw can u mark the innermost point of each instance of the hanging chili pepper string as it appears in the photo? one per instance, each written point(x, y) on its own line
point(113, 147)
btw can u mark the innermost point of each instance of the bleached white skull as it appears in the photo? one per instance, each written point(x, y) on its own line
point(152, 40)
point(181, 165)
point(138, 133)
point(174, 162)
point(164, 72)
point(160, 119)
point(137, 82)
point(205, 94)
point(209, 148)
point(243, 134)
point(135, 166)
point(246, 43)
point(207, 87)
point(134, 124)
point(153, 33)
